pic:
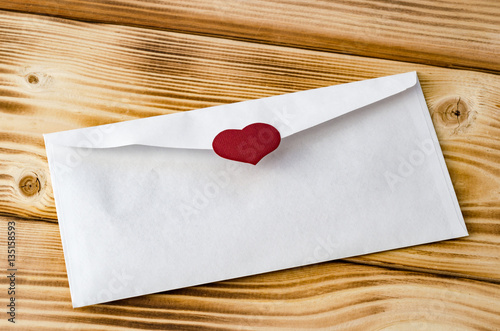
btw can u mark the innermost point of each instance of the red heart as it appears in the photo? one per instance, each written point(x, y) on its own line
point(248, 145)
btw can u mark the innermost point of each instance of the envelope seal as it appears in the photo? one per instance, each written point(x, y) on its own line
point(249, 145)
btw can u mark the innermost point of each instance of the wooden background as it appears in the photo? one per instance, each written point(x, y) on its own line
point(68, 64)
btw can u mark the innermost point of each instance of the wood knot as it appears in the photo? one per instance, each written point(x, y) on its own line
point(30, 185)
point(32, 79)
point(453, 113)
point(37, 80)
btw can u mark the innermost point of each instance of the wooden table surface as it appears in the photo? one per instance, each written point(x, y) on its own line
point(68, 64)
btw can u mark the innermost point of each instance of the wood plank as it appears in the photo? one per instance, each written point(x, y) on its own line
point(446, 33)
point(329, 295)
point(57, 75)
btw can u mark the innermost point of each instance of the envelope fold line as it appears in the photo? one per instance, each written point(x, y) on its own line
point(196, 129)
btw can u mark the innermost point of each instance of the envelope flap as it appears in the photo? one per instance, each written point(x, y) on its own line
point(289, 113)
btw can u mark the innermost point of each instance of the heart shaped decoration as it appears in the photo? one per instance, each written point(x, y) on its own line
point(248, 145)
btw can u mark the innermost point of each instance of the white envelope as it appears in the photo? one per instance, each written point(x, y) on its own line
point(147, 206)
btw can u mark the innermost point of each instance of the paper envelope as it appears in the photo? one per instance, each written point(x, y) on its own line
point(146, 205)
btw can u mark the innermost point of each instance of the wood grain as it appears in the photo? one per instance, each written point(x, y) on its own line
point(57, 74)
point(334, 295)
point(446, 33)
